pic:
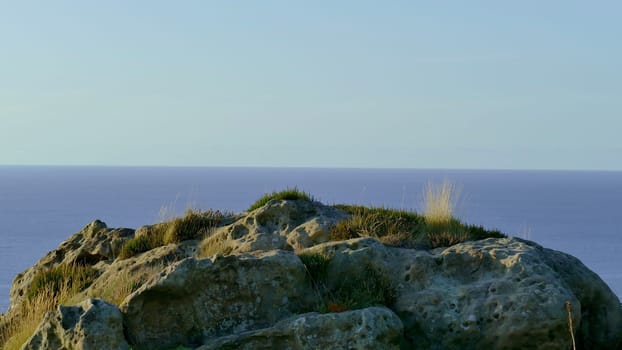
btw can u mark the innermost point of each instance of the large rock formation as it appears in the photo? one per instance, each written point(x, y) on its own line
point(285, 225)
point(197, 300)
point(259, 282)
point(494, 293)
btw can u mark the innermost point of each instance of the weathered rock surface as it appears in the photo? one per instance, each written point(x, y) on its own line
point(489, 294)
point(280, 224)
point(370, 328)
point(122, 277)
point(197, 300)
point(94, 243)
point(91, 325)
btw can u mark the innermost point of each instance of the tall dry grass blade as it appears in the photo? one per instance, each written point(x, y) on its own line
point(570, 326)
point(439, 202)
point(30, 314)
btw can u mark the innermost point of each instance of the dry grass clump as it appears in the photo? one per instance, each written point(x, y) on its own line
point(435, 228)
point(124, 283)
point(68, 279)
point(214, 245)
point(49, 288)
point(289, 194)
point(393, 227)
point(194, 224)
point(439, 202)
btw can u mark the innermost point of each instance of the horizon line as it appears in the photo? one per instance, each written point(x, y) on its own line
point(302, 167)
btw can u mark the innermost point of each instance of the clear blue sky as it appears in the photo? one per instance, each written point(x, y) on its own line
point(452, 84)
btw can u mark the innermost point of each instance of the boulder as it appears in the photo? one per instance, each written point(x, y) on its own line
point(370, 328)
point(494, 293)
point(93, 244)
point(197, 300)
point(91, 325)
point(280, 224)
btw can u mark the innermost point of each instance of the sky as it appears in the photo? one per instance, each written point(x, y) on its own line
point(380, 84)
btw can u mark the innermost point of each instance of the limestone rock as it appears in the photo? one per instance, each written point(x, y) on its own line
point(197, 300)
point(494, 293)
point(280, 224)
point(490, 294)
point(91, 245)
point(370, 328)
point(121, 277)
point(90, 325)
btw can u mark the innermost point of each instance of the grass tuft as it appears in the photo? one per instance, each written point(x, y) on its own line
point(439, 203)
point(49, 289)
point(75, 278)
point(369, 288)
point(287, 194)
point(393, 227)
point(194, 224)
point(399, 228)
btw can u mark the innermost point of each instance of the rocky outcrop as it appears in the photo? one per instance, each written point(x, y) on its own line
point(94, 243)
point(91, 325)
point(288, 225)
point(198, 300)
point(258, 283)
point(371, 328)
point(489, 294)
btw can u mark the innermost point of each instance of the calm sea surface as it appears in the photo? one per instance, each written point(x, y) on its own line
point(576, 212)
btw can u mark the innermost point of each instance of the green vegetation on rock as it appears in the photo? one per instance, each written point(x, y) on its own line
point(287, 194)
point(195, 224)
point(357, 291)
point(399, 228)
point(74, 278)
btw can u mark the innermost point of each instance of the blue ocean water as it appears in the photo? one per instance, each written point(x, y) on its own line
point(574, 212)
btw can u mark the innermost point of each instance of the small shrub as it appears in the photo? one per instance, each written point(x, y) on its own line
point(287, 194)
point(193, 225)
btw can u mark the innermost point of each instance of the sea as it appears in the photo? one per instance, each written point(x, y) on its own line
point(577, 212)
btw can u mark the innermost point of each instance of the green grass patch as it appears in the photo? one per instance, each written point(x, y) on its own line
point(194, 224)
point(287, 194)
point(316, 265)
point(399, 228)
point(366, 288)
